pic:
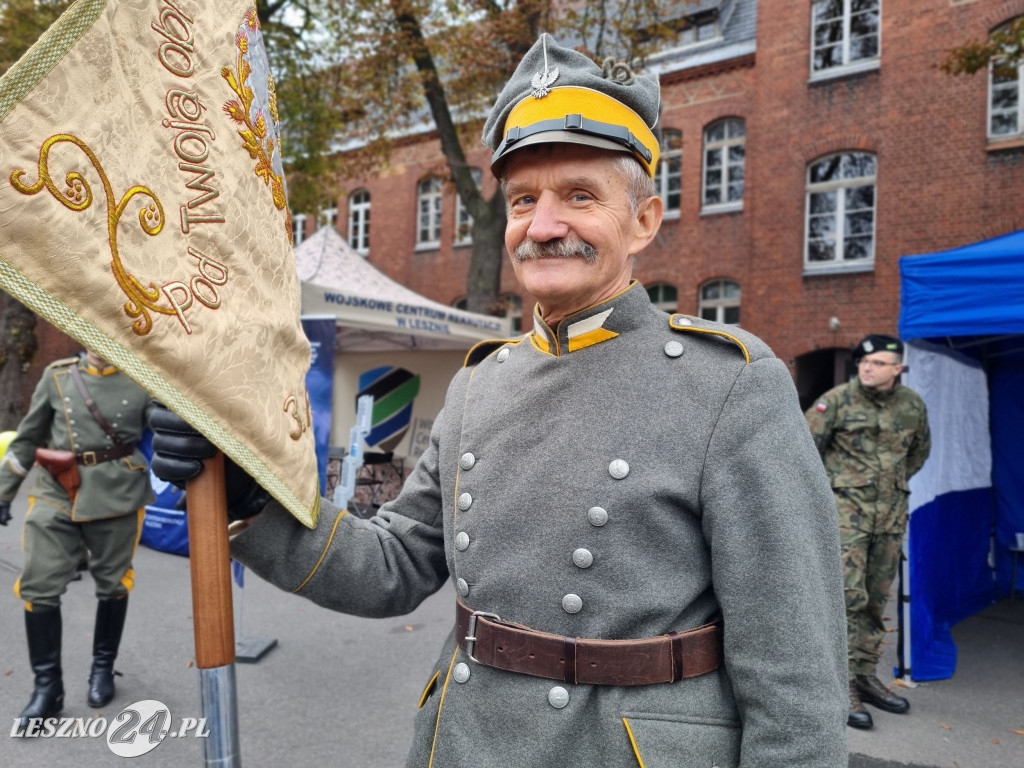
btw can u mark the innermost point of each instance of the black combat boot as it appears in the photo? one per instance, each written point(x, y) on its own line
point(858, 717)
point(43, 629)
point(873, 692)
point(110, 613)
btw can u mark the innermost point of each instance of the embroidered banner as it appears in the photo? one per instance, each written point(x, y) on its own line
point(143, 211)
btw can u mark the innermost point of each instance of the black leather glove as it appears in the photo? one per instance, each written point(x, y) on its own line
point(178, 453)
point(5, 512)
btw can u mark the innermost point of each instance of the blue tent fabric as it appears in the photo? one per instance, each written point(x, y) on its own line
point(967, 304)
point(970, 291)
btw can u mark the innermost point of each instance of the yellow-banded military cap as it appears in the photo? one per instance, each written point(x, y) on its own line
point(557, 94)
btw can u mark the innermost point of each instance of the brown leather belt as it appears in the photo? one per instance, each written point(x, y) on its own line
point(88, 458)
point(663, 659)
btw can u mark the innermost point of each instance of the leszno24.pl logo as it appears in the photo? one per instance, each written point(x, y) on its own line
point(135, 730)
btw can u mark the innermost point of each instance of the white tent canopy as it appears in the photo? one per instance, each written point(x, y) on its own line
point(374, 312)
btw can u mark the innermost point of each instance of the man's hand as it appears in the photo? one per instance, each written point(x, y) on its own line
point(178, 453)
point(5, 512)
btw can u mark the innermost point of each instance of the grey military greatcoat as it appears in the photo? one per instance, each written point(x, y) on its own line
point(621, 475)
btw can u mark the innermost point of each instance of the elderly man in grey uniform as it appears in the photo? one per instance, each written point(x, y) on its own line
point(628, 504)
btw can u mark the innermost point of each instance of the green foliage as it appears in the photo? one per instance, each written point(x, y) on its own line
point(1003, 49)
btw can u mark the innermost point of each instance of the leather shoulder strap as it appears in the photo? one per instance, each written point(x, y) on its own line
point(80, 383)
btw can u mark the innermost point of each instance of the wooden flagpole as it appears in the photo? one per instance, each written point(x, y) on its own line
point(212, 613)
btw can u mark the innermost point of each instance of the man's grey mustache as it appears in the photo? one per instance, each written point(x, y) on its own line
point(562, 248)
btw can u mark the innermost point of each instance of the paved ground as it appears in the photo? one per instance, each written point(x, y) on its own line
point(342, 691)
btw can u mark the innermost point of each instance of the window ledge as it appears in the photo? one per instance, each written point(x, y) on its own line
point(712, 210)
point(839, 269)
point(672, 214)
point(427, 247)
point(1015, 141)
point(834, 73)
point(463, 244)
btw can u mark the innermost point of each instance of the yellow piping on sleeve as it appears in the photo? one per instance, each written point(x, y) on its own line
point(323, 554)
point(632, 741)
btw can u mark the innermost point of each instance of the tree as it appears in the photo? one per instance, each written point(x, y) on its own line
point(368, 74)
point(21, 24)
point(1003, 48)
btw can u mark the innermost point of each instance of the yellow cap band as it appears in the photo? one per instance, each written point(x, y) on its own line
point(593, 105)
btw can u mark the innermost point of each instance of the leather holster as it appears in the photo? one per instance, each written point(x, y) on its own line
point(63, 465)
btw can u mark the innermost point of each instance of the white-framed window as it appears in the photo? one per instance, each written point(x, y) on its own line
point(1005, 99)
point(840, 212)
point(359, 221)
point(298, 228)
point(720, 301)
point(664, 296)
point(328, 217)
point(845, 36)
point(428, 213)
point(724, 156)
point(668, 178)
point(463, 221)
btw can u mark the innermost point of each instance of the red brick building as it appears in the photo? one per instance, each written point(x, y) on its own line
point(807, 145)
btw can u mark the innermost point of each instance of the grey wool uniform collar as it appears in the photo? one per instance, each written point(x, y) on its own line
point(599, 323)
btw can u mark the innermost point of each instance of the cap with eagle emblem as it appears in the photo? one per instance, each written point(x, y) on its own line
point(557, 94)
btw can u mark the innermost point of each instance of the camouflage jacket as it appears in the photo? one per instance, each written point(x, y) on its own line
point(866, 437)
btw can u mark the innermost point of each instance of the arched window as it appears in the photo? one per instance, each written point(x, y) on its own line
point(428, 213)
point(664, 296)
point(359, 221)
point(1005, 99)
point(463, 221)
point(669, 176)
point(724, 151)
point(720, 301)
point(840, 211)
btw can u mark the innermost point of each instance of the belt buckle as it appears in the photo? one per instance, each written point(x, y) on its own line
point(89, 458)
point(471, 632)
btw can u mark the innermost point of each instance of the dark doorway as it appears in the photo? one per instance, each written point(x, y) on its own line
point(818, 371)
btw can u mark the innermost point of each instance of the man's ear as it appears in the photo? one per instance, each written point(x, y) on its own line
point(648, 222)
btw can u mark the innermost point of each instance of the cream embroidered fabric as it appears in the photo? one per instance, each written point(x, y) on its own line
point(143, 211)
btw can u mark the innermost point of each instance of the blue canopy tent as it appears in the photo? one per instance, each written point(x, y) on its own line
point(962, 318)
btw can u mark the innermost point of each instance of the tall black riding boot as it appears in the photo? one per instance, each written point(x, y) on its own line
point(106, 638)
point(43, 629)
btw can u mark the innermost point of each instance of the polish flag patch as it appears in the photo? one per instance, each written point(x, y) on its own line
point(821, 407)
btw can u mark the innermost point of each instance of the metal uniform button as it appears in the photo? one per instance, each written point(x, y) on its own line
point(583, 558)
point(558, 697)
point(465, 501)
point(680, 320)
point(597, 516)
point(503, 354)
point(462, 541)
point(673, 348)
point(618, 469)
point(467, 461)
point(572, 603)
point(461, 672)
point(462, 586)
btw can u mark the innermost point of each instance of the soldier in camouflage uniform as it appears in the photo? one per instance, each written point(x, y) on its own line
point(873, 435)
point(105, 513)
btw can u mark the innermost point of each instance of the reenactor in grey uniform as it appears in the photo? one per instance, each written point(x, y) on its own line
point(872, 434)
point(104, 511)
point(628, 504)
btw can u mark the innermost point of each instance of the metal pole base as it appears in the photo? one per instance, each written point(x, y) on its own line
point(219, 705)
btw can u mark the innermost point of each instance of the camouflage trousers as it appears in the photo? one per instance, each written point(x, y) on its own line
point(870, 564)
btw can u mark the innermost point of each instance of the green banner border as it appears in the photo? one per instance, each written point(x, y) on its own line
point(46, 52)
